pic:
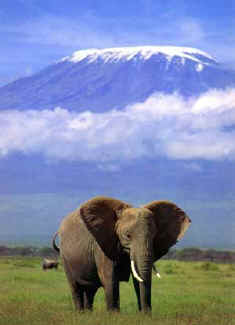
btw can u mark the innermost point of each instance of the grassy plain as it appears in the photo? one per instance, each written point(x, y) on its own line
point(189, 293)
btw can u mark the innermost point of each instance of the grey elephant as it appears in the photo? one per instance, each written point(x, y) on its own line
point(106, 240)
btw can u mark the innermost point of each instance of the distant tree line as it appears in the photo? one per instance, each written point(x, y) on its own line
point(186, 254)
point(27, 251)
point(197, 254)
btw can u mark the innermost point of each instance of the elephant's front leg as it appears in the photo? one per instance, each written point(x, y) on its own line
point(112, 296)
point(110, 281)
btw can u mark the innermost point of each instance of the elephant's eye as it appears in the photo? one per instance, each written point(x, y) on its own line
point(127, 235)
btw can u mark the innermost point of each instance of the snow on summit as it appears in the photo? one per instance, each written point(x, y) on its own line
point(142, 52)
point(99, 80)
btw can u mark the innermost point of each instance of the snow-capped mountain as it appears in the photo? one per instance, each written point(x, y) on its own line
point(140, 53)
point(162, 147)
point(100, 80)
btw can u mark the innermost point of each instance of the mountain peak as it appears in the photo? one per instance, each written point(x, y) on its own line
point(102, 79)
point(142, 52)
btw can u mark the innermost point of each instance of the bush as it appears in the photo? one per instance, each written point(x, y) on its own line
point(170, 268)
point(209, 266)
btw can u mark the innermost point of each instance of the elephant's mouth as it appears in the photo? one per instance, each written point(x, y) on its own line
point(127, 250)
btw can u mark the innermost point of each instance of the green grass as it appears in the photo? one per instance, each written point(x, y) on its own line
point(189, 293)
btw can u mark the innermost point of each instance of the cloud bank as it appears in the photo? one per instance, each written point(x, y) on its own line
point(163, 126)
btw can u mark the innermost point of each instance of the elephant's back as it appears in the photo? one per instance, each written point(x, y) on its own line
point(73, 231)
point(71, 222)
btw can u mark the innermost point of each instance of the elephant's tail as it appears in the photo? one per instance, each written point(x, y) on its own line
point(54, 244)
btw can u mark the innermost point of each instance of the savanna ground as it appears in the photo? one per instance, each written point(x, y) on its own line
point(191, 293)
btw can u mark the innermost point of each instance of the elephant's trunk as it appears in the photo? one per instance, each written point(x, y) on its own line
point(145, 295)
point(145, 270)
point(143, 260)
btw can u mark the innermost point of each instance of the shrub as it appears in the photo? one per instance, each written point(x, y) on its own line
point(209, 266)
point(170, 268)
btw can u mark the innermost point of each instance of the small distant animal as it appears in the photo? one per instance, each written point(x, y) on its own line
point(49, 264)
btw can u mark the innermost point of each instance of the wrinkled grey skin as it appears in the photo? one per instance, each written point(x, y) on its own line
point(98, 240)
point(49, 264)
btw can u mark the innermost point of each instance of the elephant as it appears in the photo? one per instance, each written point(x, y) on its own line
point(49, 264)
point(106, 240)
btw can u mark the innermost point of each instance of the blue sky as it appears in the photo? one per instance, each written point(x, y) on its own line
point(35, 33)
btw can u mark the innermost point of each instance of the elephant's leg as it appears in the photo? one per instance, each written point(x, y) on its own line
point(78, 296)
point(112, 296)
point(76, 290)
point(89, 294)
point(109, 279)
point(137, 291)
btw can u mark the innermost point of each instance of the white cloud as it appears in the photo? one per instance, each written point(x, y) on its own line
point(164, 125)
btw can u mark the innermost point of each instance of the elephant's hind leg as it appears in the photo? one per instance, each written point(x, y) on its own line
point(78, 296)
point(76, 289)
point(83, 297)
point(89, 294)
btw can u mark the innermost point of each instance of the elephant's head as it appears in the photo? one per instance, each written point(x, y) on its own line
point(144, 233)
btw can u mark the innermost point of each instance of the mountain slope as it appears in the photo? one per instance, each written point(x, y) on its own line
point(100, 80)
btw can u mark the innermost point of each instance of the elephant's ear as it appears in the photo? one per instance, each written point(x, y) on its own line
point(171, 223)
point(100, 215)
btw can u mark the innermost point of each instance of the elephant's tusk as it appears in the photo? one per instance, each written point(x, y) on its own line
point(156, 272)
point(135, 274)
